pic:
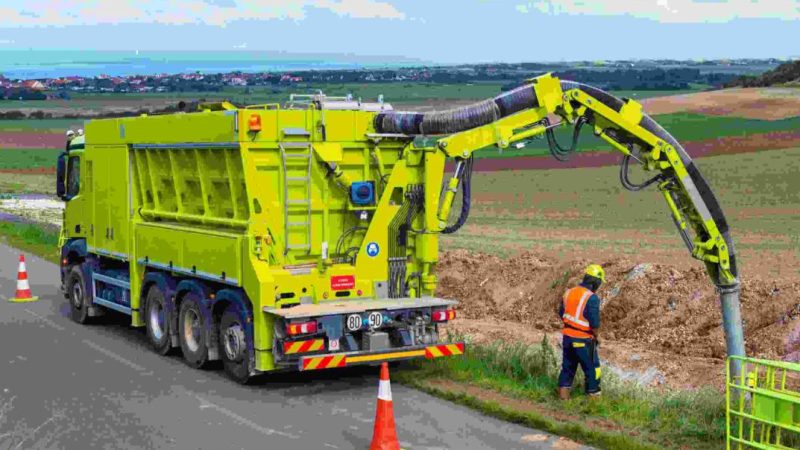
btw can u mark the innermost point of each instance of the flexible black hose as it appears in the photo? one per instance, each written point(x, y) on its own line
point(458, 119)
point(707, 199)
point(626, 182)
point(466, 197)
point(558, 152)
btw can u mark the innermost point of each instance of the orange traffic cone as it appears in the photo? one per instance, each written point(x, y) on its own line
point(384, 437)
point(23, 288)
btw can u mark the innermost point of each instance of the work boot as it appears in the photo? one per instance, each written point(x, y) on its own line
point(594, 396)
point(563, 393)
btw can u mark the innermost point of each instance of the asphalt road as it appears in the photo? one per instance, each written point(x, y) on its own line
point(69, 386)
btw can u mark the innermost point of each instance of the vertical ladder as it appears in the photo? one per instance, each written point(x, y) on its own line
point(296, 158)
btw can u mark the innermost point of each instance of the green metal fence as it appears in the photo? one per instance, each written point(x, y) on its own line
point(763, 404)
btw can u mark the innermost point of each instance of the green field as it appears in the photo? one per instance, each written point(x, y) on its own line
point(399, 93)
point(14, 183)
point(758, 192)
point(686, 127)
point(27, 158)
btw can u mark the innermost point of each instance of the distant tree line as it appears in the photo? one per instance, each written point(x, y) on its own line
point(785, 73)
point(22, 94)
point(640, 79)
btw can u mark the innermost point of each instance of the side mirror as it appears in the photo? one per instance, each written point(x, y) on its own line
point(61, 172)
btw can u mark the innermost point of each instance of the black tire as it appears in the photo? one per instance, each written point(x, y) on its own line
point(76, 294)
point(192, 332)
point(156, 321)
point(233, 346)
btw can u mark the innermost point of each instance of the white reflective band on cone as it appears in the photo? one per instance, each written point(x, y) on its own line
point(22, 267)
point(23, 285)
point(384, 390)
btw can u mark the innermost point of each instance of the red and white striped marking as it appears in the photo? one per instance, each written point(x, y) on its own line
point(23, 293)
point(384, 386)
point(437, 351)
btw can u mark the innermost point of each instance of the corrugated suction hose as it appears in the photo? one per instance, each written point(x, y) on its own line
point(524, 97)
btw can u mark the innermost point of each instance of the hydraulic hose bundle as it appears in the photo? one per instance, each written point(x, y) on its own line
point(466, 196)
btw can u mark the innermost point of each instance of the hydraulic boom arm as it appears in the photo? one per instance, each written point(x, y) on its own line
point(527, 111)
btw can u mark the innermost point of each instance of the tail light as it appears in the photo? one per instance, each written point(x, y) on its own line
point(293, 329)
point(443, 315)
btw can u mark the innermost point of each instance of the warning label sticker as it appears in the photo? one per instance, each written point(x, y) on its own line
point(342, 282)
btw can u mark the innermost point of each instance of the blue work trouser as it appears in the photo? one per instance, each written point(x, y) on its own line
point(584, 352)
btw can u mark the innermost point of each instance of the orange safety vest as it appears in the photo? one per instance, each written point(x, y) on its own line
point(575, 323)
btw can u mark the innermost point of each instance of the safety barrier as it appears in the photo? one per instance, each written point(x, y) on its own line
point(762, 404)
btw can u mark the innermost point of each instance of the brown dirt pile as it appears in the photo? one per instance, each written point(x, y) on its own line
point(652, 307)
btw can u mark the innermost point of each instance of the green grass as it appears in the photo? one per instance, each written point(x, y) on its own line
point(649, 418)
point(757, 191)
point(14, 183)
point(32, 238)
point(27, 158)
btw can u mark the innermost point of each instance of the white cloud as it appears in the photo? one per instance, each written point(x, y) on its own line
point(26, 13)
point(675, 11)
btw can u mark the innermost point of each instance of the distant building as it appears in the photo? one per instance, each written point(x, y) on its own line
point(34, 85)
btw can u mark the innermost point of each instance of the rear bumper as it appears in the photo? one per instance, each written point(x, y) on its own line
point(335, 360)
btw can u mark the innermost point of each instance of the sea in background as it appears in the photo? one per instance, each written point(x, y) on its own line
point(30, 64)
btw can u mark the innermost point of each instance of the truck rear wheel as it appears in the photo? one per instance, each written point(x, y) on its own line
point(77, 296)
point(192, 332)
point(233, 345)
point(156, 321)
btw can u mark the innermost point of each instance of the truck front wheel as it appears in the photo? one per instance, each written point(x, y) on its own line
point(156, 321)
point(233, 343)
point(192, 332)
point(77, 296)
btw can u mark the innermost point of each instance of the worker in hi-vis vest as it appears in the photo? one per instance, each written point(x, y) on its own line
point(580, 314)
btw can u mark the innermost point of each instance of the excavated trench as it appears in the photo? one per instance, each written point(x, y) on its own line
point(648, 307)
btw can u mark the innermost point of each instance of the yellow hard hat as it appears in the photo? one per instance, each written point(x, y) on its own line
point(596, 271)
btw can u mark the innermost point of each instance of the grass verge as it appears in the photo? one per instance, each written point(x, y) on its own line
point(40, 241)
point(517, 382)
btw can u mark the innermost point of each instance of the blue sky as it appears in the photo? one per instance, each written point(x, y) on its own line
point(446, 31)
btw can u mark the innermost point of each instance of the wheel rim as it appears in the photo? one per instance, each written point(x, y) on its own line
point(77, 295)
point(156, 319)
point(234, 341)
point(192, 330)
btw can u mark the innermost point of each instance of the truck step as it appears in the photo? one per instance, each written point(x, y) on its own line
point(295, 144)
point(298, 155)
point(298, 178)
point(298, 246)
point(299, 224)
point(298, 202)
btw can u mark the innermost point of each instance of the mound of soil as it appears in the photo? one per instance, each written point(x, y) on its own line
point(646, 307)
